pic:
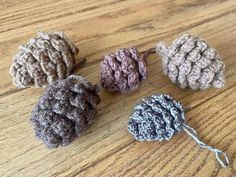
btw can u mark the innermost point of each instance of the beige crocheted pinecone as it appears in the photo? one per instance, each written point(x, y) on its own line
point(191, 62)
point(47, 58)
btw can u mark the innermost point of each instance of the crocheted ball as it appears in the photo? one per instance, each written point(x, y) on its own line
point(65, 110)
point(191, 62)
point(123, 70)
point(42, 60)
point(157, 117)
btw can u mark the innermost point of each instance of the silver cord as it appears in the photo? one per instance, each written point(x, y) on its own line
point(190, 131)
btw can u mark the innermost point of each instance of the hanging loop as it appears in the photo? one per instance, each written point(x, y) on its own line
point(148, 52)
point(220, 156)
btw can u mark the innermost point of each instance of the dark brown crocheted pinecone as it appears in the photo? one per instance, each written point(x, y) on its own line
point(157, 117)
point(42, 60)
point(65, 110)
point(123, 70)
point(191, 62)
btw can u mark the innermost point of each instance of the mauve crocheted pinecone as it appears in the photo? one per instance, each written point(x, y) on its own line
point(191, 62)
point(157, 117)
point(123, 70)
point(43, 60)
point(65, 110)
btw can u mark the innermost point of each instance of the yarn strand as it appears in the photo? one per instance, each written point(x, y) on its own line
point(83, 81)
point(218, 153)
point(148, 52)
point(78, 65)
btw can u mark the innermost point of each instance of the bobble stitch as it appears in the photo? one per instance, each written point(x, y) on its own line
point(124, 70)
point(43, 60)
point(159, 117)
point(191, 62)
point(65, 110)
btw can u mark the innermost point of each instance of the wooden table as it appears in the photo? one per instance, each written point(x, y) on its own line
point(106, 148)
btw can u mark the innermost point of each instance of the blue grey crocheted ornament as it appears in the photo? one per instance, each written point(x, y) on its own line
point(160, 117)
point(157, 117)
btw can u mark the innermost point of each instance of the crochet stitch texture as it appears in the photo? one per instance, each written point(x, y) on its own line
point(191, 62)
point(66, 108)
point(123, 70)
point(43, 60)
point(157, 117)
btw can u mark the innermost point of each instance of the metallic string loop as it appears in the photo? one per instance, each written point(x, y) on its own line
point(220, 156)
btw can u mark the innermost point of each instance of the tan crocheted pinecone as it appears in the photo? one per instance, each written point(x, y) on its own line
point(42, 60)
point(191, 62)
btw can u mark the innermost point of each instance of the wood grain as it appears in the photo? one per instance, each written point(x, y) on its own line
point(106, 148)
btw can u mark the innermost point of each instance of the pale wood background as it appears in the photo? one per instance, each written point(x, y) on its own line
point(107, 149)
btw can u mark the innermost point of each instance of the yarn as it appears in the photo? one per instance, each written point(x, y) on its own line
point(160, 117)
point(66, 109)
point(43, 60)
point(124, 70)
point(191, 62)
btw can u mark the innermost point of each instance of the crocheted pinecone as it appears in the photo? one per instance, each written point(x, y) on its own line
point(191, 62)
point(65, 110)
point(157, 117)
point(123, 70)
point(42, 60)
